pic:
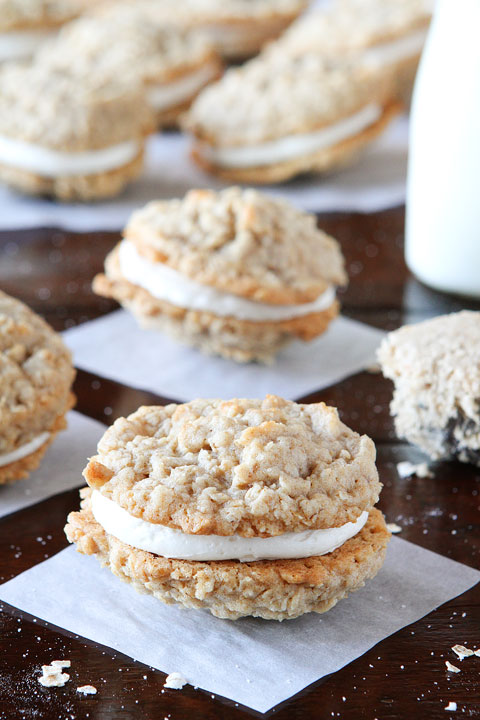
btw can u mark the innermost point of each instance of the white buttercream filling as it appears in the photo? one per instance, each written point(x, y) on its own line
point(22, 43)
point(396, 50)
point(293, 146)
point(173, 93)
point(171, 286)
point(54, 163)
point(165, 541)
point(24, 450)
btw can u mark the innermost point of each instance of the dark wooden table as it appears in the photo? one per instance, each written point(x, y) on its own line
point(402, 677)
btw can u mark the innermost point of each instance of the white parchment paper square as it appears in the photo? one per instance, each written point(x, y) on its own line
point(60, 469)
point(262, 662)
point(115, 347)
point(375, 181)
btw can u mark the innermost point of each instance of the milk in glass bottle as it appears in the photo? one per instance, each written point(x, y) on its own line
point(443, 188)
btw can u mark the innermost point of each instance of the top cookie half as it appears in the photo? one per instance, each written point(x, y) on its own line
point(243, 467)
point(241, 242)
point(351, 26)
point(276, 96)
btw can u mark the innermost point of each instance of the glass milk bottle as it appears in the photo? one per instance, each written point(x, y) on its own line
point(443, 187)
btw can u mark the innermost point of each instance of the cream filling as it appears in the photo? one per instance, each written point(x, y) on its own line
point(24, 450)
point(168, 95)
point(22, 43)
point(165, 541)
point(397, 50)
point(292, 146)
point(54, 163)
point(171, 286)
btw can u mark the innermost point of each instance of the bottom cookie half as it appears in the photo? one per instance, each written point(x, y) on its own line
point(322, 161)
point(270, 589)
point(22, 468)
point(73, 187)
point(239, 340)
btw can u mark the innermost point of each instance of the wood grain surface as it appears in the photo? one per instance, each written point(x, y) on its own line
point(402, 677)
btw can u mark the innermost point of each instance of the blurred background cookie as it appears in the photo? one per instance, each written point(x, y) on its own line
point(237, 28)
point(279, 116)
point(36, 376)
point(69, 139)
point(435, 366)
point(124, 42)
point(26, 24)
point(233, 273)
point(386, 35)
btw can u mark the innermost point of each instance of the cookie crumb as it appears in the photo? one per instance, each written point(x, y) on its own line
point(52, 675)
point(451, 668)
point(394, 528)
point(175, 681)
point(462, 652)
point(452, 706)
point(57, 680)
point(87, 689)
point(406, 469)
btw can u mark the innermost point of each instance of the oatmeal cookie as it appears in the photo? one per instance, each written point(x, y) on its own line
point(234, 272)
point(242, 507)
point(279, 115)
point(435, 367)
point(36, 375)
point(122, 41)
point(84, 140)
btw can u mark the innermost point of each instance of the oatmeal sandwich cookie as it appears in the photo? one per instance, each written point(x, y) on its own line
point(36, 375)
point(123, 41)
point(278, 116)
point(386, 35)
point(237, 28)
point(68, 139)
point(233, 273)
point(435, 366)
point(240, 507)
point(26, 24)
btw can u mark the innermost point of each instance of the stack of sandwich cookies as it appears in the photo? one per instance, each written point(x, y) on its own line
point(123, 41)
point(233, 273)
point(386, 35)
point(69, 139)
point(240, 507)
point(36, 375)
point(280, 116)
point(26, 24)
point(238, 29)
point(435, 366)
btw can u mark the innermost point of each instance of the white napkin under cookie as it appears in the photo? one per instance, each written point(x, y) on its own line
point(263, 662)
point(115, 347)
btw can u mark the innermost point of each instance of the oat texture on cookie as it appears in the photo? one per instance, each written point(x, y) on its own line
point(244, 467)
point(126, 41)
point(277, 95)
point(36, 375)
point(69, 116)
